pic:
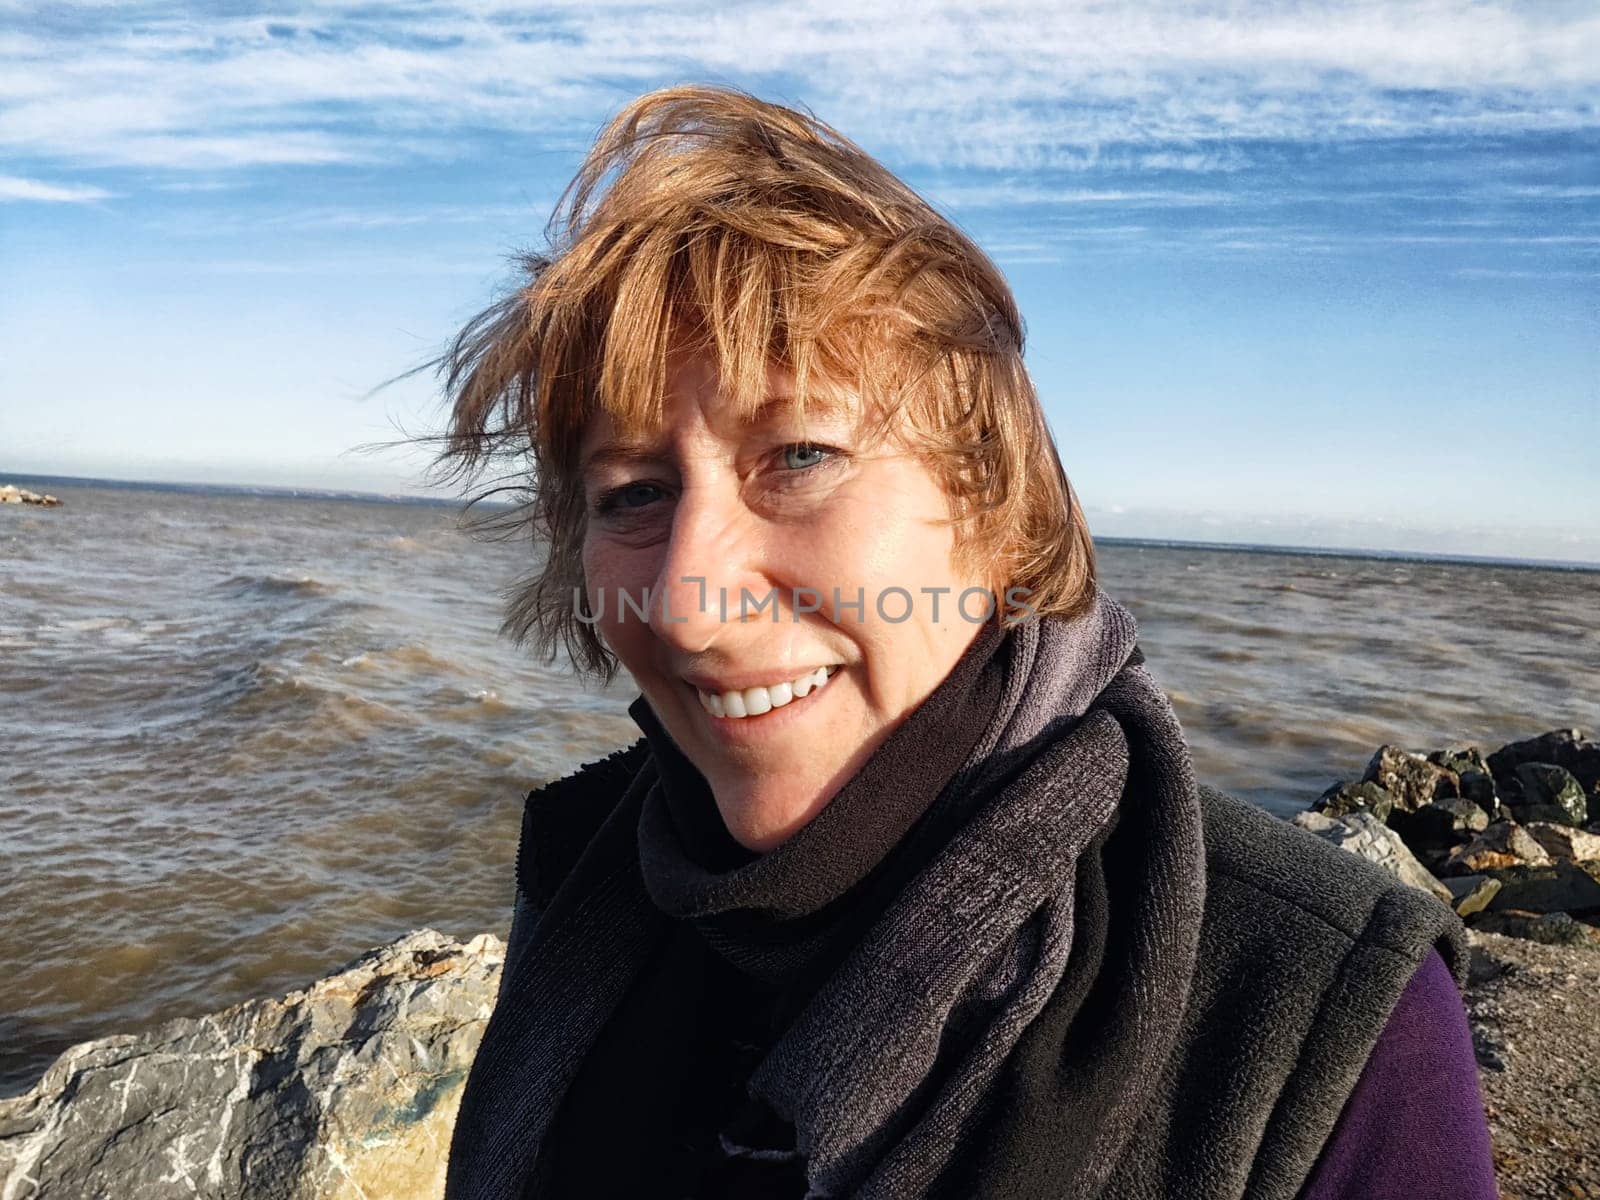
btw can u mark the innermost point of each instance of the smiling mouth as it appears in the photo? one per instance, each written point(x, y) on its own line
point(755, 701)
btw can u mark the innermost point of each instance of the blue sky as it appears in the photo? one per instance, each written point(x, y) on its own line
point(1309, 273)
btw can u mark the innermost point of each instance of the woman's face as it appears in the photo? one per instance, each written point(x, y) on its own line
point(711, 511)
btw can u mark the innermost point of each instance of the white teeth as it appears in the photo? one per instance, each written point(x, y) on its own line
point(754, 701)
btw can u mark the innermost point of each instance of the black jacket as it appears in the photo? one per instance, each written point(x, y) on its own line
point(1304, 950)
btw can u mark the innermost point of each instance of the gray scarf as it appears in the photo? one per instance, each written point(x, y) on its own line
point(889, 1070)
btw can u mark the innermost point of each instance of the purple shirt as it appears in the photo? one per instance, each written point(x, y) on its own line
point(1414, 1128)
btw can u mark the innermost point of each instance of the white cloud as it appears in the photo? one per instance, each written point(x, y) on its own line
point(1498, 273)
point(1014, 86)
point(1011, 195)
point(14, 187)
point(1554, 192)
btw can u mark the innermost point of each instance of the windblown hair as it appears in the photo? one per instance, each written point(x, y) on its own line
point(706, 219)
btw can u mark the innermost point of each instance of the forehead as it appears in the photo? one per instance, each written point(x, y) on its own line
point(695, 392)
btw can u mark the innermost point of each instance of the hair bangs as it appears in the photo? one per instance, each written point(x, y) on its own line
point(738, 300)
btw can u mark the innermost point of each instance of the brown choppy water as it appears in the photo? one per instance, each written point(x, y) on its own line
point(244, 738)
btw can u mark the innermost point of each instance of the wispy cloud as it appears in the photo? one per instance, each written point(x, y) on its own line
point(1076, 128)
point(1012, 195)
point(1174, 86)
point(1554, 192)
point(14, 187)
point(1499, 273)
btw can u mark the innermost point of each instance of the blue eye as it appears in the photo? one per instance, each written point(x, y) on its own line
point(800, 456)
point(628, 496)
point(637, 495)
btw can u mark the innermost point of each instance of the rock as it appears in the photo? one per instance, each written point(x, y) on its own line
point(1541, 814)
point(346, 1089)
point(1470, 893)
point(1410, 778)
point(1478, 787)
point(1474, 780)
point(1460, 760)
point(1435, 828)
point(1565, 748)
point(1344, 798)
point(1562, 841)
point(1551, 928)
point(1550, 793)
point(11, 494)
point(1363, 834)
point(1557, 887)
point(1503, 844)
point(1468, 816)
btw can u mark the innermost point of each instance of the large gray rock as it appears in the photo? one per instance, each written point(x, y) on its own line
point(1361, 833)
point(345, 1090)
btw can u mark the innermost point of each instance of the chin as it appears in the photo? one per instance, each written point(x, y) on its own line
point(761, 819)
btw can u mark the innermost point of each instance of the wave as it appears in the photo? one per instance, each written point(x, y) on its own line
point(238, 685)
point(265, 684)
point(490, 701)
point(411, 658)
point(115, 631)
point(274, 586)
point(90, 624)
point(286, 694)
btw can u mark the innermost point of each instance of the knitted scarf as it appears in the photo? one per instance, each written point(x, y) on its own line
point(890, 1070)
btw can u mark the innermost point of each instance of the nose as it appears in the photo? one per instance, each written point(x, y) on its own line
point(711, 560)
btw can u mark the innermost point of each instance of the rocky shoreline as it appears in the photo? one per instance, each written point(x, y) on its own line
point(11, 494)
point(349, 1087)
point(1511, 840)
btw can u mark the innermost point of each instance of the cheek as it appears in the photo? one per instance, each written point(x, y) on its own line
point(610, 563)
point(596, 573)
point(889, 538)
point(609, 570)
point(843, 549)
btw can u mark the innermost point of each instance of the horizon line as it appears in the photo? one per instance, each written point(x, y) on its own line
point(1166, 543)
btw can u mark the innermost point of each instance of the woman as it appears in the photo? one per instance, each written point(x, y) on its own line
point(907, 889)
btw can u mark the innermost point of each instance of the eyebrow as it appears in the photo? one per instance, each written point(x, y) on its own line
point(609, 454)
point(615, 453)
